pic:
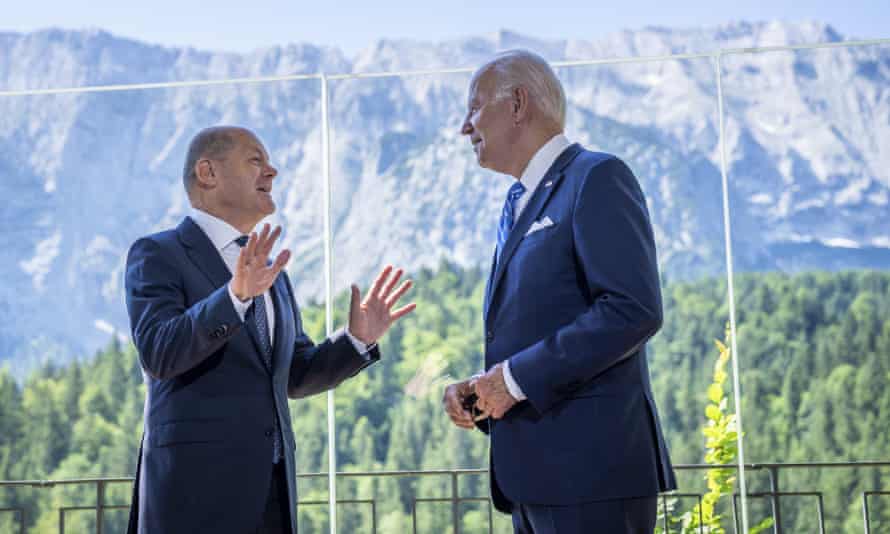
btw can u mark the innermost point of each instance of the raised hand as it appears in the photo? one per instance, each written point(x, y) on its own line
point(370, 318)
point(253, 273)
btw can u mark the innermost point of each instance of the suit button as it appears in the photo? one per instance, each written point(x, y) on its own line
point(219, 331)
point(268, 432)
point(489, 336)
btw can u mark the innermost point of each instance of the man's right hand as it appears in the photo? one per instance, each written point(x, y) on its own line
point(253, 274)
point(453, 401)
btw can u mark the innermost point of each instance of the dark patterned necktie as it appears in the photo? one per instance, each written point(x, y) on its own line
point(257, 313)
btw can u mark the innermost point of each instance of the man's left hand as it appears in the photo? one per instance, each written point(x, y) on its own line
point(370, 318)
point(491, 389)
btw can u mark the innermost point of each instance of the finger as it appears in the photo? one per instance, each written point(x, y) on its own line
point(269, 274)
point(378, 283)
point(260, 252)
point(468, 423)
point(457, 414)
point(403, 311)
point(270, 242)
point(392, 282)
point(261, 237)
point(241, 264)
point(356, 297)
point(250, 248)
point(279, 264)
point(406, 285)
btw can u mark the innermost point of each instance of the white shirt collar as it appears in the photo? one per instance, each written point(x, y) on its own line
point(539, 165)
point(542, 161)
point(220, 232)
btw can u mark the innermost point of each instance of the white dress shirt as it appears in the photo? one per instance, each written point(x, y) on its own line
point(223, 236)
point(532, 175)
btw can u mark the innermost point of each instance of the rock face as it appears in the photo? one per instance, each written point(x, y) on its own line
point(808, 152)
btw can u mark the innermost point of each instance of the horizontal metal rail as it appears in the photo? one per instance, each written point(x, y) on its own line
point(456, 500)
point(428, 72)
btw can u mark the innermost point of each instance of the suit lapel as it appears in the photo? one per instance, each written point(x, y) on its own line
point(282, 318)
point(202, 253)
point(209, 261)
point(487, 300)
point(536, 203)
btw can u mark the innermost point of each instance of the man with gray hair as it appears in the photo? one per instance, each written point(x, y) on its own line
point(572, 298)
point(222, 348)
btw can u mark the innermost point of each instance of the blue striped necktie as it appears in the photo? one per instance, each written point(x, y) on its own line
point(516, 190)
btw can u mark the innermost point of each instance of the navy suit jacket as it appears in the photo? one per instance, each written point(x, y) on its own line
point(206, 459)
point(572, 306)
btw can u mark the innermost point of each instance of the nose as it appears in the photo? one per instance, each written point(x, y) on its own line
point(271, 171)
point(466, 128)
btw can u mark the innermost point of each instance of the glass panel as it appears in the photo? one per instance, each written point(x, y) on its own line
point(661, 118)
point(809, 172)
point(407, 192)
point(87, 174)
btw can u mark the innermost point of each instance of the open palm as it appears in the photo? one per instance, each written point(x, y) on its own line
point(371, 317)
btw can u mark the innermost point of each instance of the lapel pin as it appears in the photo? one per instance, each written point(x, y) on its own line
point(548, 183)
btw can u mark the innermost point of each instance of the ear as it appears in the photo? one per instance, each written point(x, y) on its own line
point(520, 104)
point(206, 178)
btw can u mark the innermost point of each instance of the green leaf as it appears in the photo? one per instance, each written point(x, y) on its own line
point(712, 412)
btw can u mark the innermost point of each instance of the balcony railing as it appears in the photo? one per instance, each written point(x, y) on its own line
point(773, 496)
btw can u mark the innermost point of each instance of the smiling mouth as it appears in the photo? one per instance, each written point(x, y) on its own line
point(267, 190)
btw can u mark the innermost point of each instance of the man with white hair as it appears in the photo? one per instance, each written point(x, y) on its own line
point(572, 298)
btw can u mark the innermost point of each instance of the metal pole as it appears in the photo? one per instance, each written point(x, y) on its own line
point(100, 503)
point(774, 499)
point(865, 513)
point(737, 399)
point(455, 512)
point(329, 297)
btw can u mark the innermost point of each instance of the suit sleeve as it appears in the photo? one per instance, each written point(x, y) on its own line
point(170, 338)
point(615, 254)
point(318, 368)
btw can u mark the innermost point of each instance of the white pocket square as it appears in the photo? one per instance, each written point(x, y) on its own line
point(540, 224)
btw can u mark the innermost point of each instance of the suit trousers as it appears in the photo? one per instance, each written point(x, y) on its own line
point(620, 516)
point(276, 517)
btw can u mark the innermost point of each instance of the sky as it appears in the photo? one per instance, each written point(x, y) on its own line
point(352, 25)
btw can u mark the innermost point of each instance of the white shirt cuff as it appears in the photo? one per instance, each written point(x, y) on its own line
point(240, 307)
point(512, 386)
point(360, 347)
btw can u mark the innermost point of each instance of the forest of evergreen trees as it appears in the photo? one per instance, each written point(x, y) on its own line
point(814, 353)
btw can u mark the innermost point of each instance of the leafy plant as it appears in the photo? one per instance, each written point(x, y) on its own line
point(721, 434)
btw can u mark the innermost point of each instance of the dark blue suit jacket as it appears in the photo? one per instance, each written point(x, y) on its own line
point(572, 306)
point(206, 457)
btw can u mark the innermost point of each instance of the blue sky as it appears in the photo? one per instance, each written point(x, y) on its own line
point(353, 24)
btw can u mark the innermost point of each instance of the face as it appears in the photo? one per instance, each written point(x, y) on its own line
point(489, 124)
point(244, 178)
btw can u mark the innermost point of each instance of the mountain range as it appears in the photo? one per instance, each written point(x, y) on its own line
point(84, 174)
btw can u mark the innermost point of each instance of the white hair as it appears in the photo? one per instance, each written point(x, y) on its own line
point(515, 68)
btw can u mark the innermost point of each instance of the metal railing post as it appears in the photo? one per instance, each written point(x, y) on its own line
point(100, 503)
point(455, 512)
point(774, 498)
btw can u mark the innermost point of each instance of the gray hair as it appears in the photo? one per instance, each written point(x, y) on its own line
point(515, 68)
point(212, 142)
